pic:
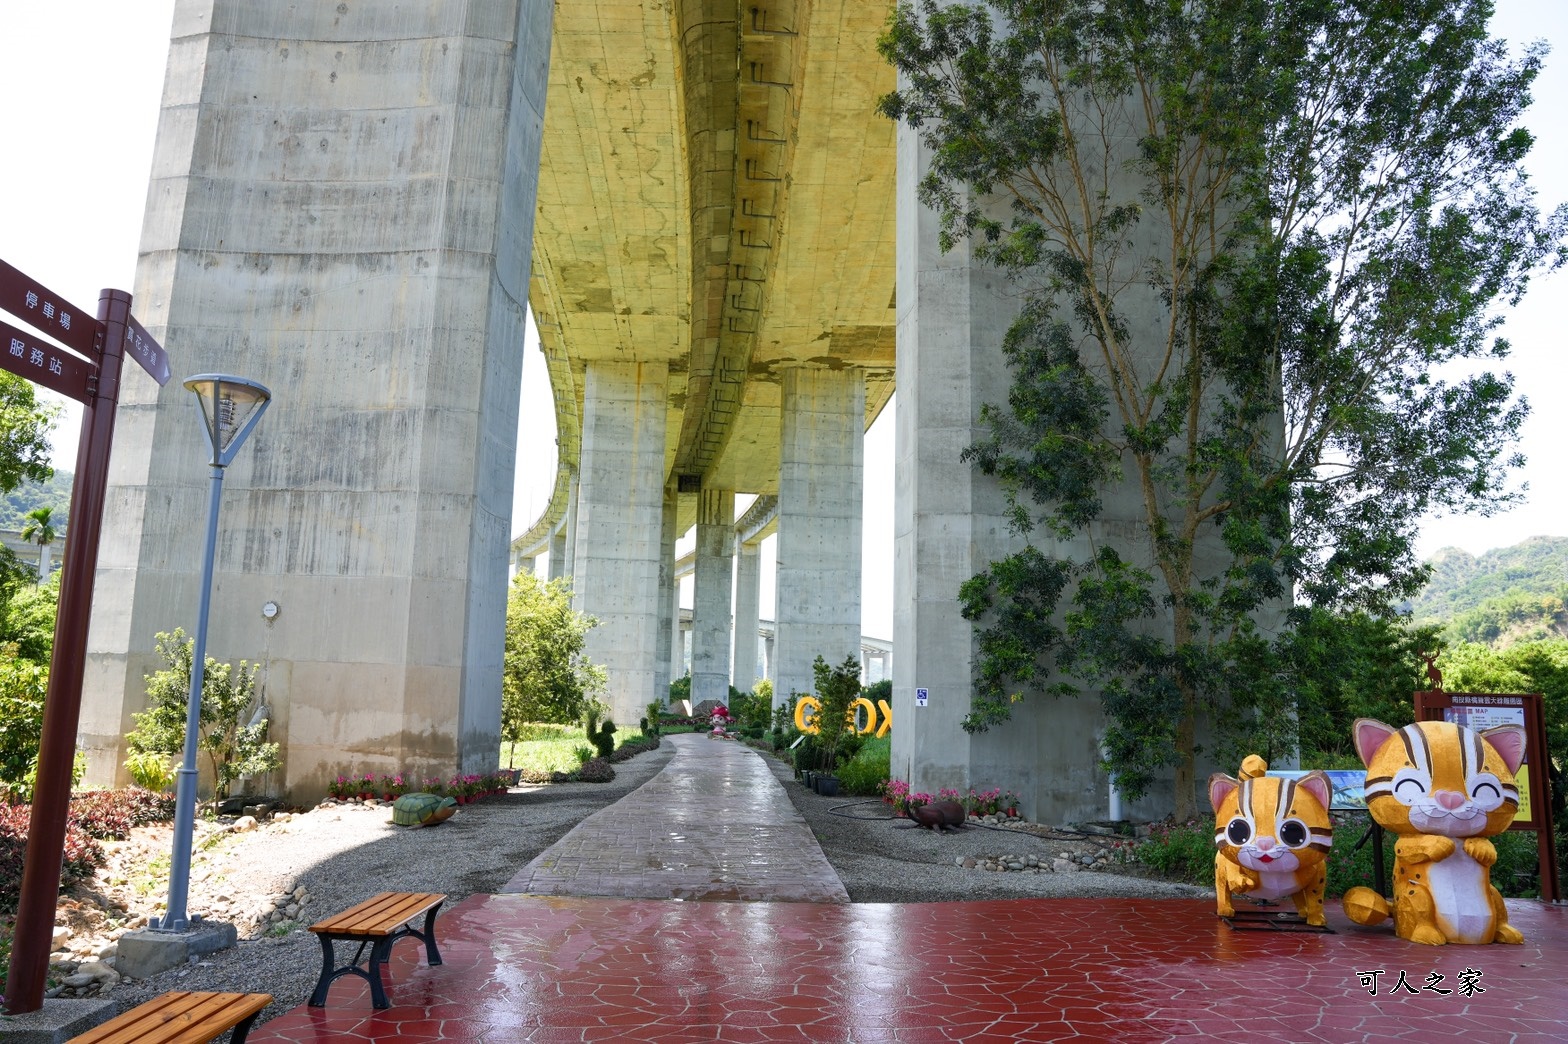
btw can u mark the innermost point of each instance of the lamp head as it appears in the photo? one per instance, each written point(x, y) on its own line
point(230, 408)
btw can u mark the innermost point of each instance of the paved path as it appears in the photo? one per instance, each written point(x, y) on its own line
point(598, 966)
point(550, 971)
point(714, 824)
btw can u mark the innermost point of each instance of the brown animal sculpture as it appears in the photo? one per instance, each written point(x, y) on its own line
point(938, 815)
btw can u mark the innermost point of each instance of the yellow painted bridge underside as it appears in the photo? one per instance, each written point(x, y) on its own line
point(716, 192)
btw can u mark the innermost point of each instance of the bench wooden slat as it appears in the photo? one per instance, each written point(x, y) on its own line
point(177, 1018)
point(380, 914)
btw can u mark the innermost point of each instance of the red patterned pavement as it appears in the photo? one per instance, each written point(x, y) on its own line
point(528, 968)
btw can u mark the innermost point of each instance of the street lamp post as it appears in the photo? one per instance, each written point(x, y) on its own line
point(230, 407)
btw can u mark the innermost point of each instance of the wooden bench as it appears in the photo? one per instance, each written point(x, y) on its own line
point(377, 922)
point(181, 1018)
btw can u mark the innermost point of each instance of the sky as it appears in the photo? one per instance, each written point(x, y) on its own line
point(81, 82)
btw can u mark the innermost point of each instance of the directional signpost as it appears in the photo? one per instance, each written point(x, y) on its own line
point(86, 368)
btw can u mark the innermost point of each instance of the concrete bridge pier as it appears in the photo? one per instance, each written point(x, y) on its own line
point(712, 590)
point(667, 657)
point(821, 456)
point(620, 524)
point(748, 584)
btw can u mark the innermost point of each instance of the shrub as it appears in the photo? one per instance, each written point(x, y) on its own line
point(233, 748)
point(601, 736)
point(594, 770)
point(1181, 851)
point(151, 770)
point(632, 747)
point(867, 769)
point(83, 855)
point(22, 688)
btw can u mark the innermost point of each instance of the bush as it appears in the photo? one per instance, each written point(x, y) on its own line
point(151, 770)
point(233, 748)
point(867, 769)
point(1181, 851)
point(594, 770)
point(630, 748)
point(22, 688)
point(601, 736)
point(83, 855)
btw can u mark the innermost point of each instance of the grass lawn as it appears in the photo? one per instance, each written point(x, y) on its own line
point(555, 748)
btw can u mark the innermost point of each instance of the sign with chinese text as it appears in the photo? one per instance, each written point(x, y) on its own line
point(140, 345)
point(44, 363)
point(42, 309)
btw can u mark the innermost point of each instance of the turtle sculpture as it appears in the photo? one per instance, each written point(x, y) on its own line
point(938, 815)
point(417, 810)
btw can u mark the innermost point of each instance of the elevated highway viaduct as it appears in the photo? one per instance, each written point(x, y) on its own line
point(356, 204)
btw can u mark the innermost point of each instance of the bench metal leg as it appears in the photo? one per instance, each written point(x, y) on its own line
point(242, 1028)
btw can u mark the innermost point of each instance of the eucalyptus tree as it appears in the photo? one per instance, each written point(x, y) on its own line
point(1259, 248)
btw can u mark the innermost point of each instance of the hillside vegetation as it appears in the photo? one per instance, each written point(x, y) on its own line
point(56, 493)
point(1505, 596)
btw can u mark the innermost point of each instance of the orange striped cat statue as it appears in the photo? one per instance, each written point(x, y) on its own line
point(1273, 838)
point(1444, 789)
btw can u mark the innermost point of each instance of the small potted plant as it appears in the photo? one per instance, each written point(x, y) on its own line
point(433, 785)
point(339, 788)
point(367, 786)
point(393, 786)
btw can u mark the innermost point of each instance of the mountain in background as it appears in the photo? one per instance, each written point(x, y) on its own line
point(1508, 595)
point(56, 493)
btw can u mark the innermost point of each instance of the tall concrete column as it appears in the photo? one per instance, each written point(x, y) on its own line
point(817, 599)
point(713, 588)
point(342, 208)
point(748, 585)
point(558, 553)
point(669, 593)
point(677, 636)
point(620, 510)
point(569, 565)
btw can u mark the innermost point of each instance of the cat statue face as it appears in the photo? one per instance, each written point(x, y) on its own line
point(1435, 777)
point(1444, 790)
point(1272, 837)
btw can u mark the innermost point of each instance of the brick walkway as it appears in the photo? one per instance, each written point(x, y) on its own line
point(551, 969)
point(714, 824)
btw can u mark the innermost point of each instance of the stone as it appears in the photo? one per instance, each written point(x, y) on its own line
point(97, 971)
point(300, 894)
point(61, 936)
point(244, 824)
point(78, 980)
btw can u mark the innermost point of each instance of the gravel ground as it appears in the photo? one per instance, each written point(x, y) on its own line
point(337, 855)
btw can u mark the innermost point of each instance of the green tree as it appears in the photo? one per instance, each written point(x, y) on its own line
point(1347, 666)
point(22, 688)
point(27, 617)
point(545, 675)
point(40, 530)
point(24, 433)
point(233, 735)
point(1248, 239)
point(837, 687)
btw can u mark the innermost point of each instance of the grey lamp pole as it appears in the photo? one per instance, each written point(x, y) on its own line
point(230, 408)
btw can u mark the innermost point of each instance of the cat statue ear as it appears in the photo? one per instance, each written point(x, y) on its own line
point(1507, 740)
point(1221, 787)
point(1369, 734)
point(1317, 784)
